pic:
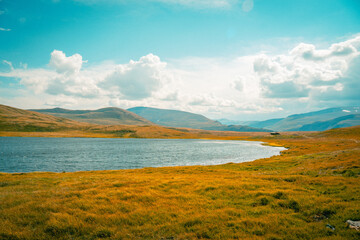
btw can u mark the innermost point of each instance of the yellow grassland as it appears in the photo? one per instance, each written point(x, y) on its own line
point(291, 196)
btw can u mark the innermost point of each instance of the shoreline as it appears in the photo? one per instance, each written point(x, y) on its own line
point(295, 195)
point(260, 143)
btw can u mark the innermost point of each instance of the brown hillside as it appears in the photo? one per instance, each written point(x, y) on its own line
point(103, 116)
point(18, 122)
point(14, 119)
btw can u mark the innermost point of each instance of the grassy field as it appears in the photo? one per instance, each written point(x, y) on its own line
point(292, 196)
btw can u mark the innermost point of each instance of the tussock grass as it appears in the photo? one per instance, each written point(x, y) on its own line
point(292, 196)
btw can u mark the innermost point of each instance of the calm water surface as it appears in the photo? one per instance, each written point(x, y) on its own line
point(80, 154)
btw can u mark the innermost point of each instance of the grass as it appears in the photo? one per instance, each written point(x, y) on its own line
point(295, 195)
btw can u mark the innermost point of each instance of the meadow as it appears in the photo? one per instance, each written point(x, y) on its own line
point(307, 192)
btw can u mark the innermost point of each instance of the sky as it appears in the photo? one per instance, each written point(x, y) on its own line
point(236, 59)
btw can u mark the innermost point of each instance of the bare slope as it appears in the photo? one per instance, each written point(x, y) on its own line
point(24, 123)
point(14, 119)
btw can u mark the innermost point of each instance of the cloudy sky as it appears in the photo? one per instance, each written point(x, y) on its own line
point(235, 59)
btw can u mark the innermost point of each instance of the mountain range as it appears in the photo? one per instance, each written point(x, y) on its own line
point(142, 116)
point(312, 121)
point(175, 118)
point(19, 122)
point(145, 116)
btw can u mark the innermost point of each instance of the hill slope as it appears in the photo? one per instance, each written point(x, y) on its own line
point(103, 116)
point(14, 119)
point(24, 123)
point(175, 118)
point(318, 120)
point(340, 122)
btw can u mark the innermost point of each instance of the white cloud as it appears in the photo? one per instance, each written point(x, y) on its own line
point(303, 79)
point(306, 70)
point(239, 84)
point(137, 79)
point(5, 29)
point(63, 64)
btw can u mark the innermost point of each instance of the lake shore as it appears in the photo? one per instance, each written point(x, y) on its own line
point(29, 154)
point(293, 195)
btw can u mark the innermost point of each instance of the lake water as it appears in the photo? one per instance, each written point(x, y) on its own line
point(80, 154)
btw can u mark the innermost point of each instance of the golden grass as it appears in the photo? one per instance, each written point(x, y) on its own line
point(292, 196)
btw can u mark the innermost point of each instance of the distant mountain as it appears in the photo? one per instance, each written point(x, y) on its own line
point(103, 116)
point(316, 121)
point(340, 122)
point(237, 128)
point(175, 118)
point(264, 124)
point(230, 122)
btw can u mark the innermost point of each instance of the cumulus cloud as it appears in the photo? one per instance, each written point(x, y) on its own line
point(5, 29)
point(284, 90)
point(66, 77)
point(137, 79)
point(305, 76)
point(307, 71)
point(63, 64)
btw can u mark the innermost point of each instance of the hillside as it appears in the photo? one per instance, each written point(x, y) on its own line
point(313, 121)
point(24, 123)
point(175, 118)
point(14, 119)
point(340, 122)
point(103, 116)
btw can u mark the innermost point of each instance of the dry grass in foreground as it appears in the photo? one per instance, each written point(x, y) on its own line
point(291, 196)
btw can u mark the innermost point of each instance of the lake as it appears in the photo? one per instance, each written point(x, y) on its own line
point(31, 154)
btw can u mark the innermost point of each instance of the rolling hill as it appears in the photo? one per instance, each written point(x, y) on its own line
point(24, 123)
point(175, 118)
point(103, 116)
point(313, 121)
point(14, 119)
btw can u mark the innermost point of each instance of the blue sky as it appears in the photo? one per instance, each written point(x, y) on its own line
point(239, 59)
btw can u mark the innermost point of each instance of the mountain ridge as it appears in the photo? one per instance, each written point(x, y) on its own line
point(183, 119)
point(102, 116)
point(297, 122)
